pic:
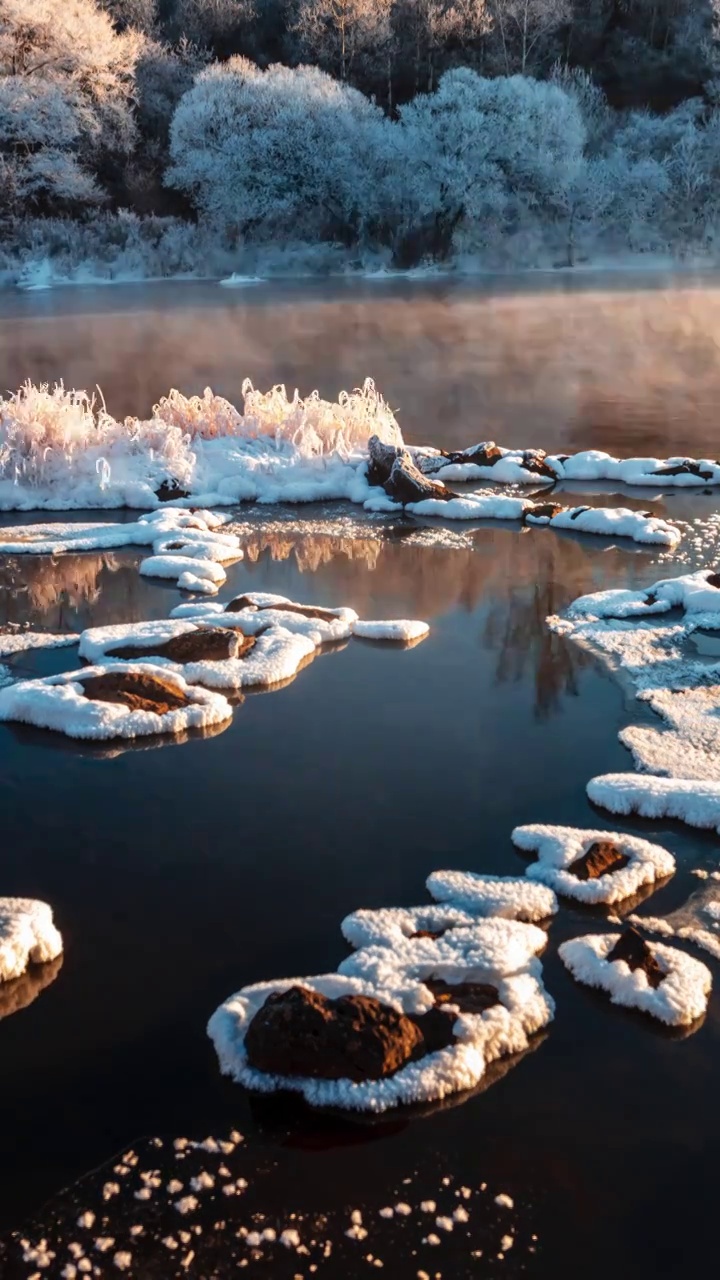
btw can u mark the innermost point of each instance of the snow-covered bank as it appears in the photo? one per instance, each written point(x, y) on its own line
point(27, 936)
point(61, 450)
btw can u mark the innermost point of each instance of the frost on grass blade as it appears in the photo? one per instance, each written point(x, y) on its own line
point(679, 999)
point(571, 860)
point(28, 936)
point(695, 803)
point(61, 703)
point(514, 897)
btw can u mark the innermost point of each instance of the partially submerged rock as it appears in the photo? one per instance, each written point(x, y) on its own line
point(304, 610)
point(137, 690)
point(470, 997)
point(543, 511)
point(634, 950)
point(601, 858)
point(406, 483)
point(687, 467)
point(171, 491)
point(300, 1032)
point(205, 644)
point(380, 460)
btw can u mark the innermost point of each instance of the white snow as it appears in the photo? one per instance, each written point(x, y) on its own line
point(478, 952)
point(402, 629)
point(264, 610)
point(690, 801)
point(680, 998)
point(58, 702)
point(558, 847)
point(386, 926)
point(27, 936)
point(274, 658)
point(189, 572)
point(613, 522)
point(505, 1028)
point(12, 642)
point(169, 523)
point(514, 897)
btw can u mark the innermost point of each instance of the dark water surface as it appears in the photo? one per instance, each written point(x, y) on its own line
point(180, 873)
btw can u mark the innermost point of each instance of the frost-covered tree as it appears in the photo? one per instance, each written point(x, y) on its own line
point(67, 80)
point(481, 152)
point(341, 35)
point(283, 151)
point(142, 15)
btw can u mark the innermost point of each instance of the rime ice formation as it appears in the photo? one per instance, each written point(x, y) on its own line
point(59, 450)
point(680, 998)
point(559, 849)
point(646, 638)
point(27, 936)
point(60, 703)
point(513, 897)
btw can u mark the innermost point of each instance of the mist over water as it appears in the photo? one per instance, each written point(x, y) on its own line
point(626, 364)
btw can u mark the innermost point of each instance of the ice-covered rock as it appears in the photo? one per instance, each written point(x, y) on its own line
point(28, 936)
point(592, 866)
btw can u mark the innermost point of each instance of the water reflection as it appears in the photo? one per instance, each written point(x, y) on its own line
point(21, 992)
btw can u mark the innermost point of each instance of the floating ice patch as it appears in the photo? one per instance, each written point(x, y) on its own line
point(12, 642)
point(689, 744)
point(564, 854)
point(613, 522)
point(386, 926)
point(401, 629)
point(523, 1008)
point(476, 952)
point(693, 802)
point(59, 702)
point(27, 936)
point(54, 539)
point(697, 920)
point(680, 998)
point(273, 657)
point(514, 897)
point(189, 573)
point(255, 611)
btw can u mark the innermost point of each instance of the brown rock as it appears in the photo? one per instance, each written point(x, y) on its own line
point(134, 689)
point(634, 950)
point(305, 610)
point(436, 1027)
point(713, 579)
point(302, 1033)
point(601, 858)
point(170, 491)
point(577, 512)
point(205, 644)
point(407, 483)
point(485, 454)
point(428, 933)
point(380, 460)
point(470, 997)
point(688, 466)
point(543, 509)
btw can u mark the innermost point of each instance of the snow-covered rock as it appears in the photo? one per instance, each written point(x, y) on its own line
point(27, 936)
point(679, 999)
point(557, 848)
